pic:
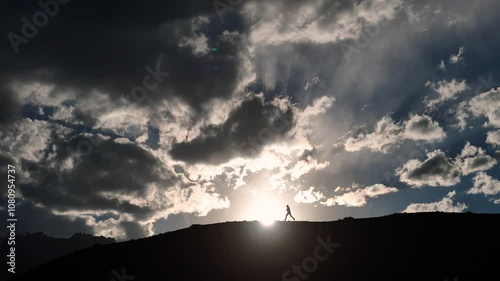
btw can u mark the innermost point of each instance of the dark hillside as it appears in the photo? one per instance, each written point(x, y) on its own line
point(426, 246)
point(35, 249)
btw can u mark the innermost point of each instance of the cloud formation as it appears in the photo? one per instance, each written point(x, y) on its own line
point(487, 104)
point(304, 22)
point(359, 197)
point(308, 196)
point(445, 205)
point(493, 138)
point(446, 90)
point(485, 184)
point(436, 170)
point(387, 134)
point(247, 129)
point(473, 159)
point(457, 57)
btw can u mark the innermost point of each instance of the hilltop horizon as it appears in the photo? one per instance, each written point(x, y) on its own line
point(264, 223)
point(446, 245)
point(154, 115)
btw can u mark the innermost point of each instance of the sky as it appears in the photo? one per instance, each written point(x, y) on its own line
point(129, 119)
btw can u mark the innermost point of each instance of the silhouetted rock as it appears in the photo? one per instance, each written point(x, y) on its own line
point(426, 246)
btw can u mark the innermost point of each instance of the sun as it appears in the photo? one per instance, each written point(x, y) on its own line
point(265, 207)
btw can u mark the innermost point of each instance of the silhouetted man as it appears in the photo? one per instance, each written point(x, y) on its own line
point(288, 212)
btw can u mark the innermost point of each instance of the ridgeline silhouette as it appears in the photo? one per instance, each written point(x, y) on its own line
point(425, 246)
point(35, 249)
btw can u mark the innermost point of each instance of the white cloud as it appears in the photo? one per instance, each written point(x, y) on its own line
point(66, 114)
point(198, 44)
point(303, 167)
point(304, 118)
point(200, 200)
point(422, 127)
point(174, 121)
point(378, 189)
point(485, 184)
point(436, 170)
point(473, 159)
point(487, 104)
point(124, 121)
point(462, 114)
point(469, 150)
point(445, 205)
point(358, 198)
point(458, 57)
point(439, 170)
point(183, 198)
point(493, 138)
point(305, 22)
point(38, 93)
point(29, 139)
point(318, 106)
point(387, 134)
point(446, 90)
point(308, 196)
point(478, 163)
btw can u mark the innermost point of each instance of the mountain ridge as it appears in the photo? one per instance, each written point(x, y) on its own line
point(424, 246)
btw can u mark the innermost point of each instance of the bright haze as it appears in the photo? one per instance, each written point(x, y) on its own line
point(131, 118)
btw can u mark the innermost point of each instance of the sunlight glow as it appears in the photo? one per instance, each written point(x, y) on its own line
point(267, 222)
point(266, 207)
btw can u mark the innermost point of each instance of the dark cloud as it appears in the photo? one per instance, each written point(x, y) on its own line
point(247, 129)
point(478, 163)
point(108, 46)
point(197, 79)
point(421, 125)
point(436, 170)
point(46, 221)
point(6, 160)
point(11, 109)
point(119, 169)
point(437, 165)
